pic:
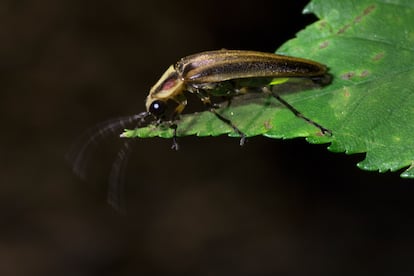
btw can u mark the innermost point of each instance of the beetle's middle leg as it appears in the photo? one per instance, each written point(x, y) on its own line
point(212, 108)
point(181, 101)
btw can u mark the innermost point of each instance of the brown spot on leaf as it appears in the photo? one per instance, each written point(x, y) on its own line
point(267, 125)
point(344, 28)
point(369, 10)
point(348, 75)
point(324, 45)
point(364, 74)
point(347, 93)
point(357, 19)
point(378, 56)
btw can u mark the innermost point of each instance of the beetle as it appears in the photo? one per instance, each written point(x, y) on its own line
point(227, 73)
point(220, 73)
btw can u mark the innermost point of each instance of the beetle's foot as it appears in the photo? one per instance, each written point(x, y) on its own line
point(243, 139)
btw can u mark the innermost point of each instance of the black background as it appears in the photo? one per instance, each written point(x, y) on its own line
point(212, 208)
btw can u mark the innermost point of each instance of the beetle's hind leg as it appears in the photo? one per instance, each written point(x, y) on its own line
point(296, 112)
point(212, 108)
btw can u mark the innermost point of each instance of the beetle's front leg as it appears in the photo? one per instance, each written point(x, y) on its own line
point(181, 101)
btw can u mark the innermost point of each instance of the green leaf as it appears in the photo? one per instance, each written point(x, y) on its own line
point(369, 106)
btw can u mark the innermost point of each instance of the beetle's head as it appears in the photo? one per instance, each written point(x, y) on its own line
point(168, 87)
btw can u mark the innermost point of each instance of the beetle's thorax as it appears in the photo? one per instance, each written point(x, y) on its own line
point(168, 87)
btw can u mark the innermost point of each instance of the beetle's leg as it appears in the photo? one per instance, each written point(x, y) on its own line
point(297, 112)
point(175, 143)
point(228, 99)
point(211, 107)
point(232, 91)
point(181, 101)
point(228, 122)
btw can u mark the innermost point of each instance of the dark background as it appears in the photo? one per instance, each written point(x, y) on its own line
point(212, 208)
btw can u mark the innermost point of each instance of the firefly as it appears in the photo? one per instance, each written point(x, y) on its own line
point(221, 73)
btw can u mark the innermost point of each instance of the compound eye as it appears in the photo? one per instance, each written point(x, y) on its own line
point(157, 108)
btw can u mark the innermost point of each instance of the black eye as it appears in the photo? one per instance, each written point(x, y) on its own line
point(157, 108)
